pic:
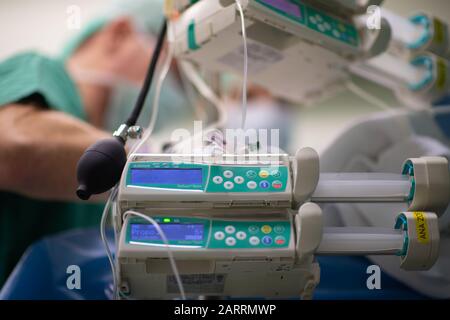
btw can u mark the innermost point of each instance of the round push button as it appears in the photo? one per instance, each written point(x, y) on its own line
point(217, 180)
point(275, 173)
point(230, 241)
point(266, 229)
point(219, 235)
point(251, 185)
point(267, 240)
point(263, 174)
point(254, 241)
point(278, 229)
point(264, 184)
point(280, 240)
point(228, 185)
point(239, 180)
point(228, 174)
point(253, 229)
point(241, 235)
point(277, 184)
point(251, 174)
point(230, 229)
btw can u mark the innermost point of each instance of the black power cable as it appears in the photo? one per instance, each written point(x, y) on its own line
point(149, 78)
point(100, 167)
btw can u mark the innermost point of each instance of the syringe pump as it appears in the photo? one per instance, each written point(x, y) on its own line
point(250, 227)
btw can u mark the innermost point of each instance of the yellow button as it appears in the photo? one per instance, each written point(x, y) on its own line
point(266, 229)
point(263, 174)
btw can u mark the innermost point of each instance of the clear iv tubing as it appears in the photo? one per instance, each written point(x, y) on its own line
point(361, 240)
point(160, 81)
point(202, 87)
point(106, 210)
point(362, 187)
point(166, 243)
point(245, 75)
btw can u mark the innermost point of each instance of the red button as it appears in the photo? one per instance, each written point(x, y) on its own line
point(277, 184)
point(280, 240)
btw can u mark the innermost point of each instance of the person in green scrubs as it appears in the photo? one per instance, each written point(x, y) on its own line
point(52, 109)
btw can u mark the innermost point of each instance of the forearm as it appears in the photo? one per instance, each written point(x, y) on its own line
point(42, 149)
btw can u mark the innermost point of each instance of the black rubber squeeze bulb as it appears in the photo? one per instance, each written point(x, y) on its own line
point(100, 167)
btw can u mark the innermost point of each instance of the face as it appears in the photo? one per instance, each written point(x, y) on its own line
point(126, 51)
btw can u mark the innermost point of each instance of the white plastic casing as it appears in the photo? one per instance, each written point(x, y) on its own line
point(432, 184)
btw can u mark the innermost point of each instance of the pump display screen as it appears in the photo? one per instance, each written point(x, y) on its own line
point(285, 6)
point(173, 232)
point(163, 176)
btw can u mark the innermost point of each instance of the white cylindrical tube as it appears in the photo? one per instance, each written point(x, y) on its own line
point(403, 30)
point(360, 241)
point(362, 187)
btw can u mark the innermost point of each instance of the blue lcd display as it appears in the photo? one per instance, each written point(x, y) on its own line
point(173, 232)
point(285, 6)
point(172, 176)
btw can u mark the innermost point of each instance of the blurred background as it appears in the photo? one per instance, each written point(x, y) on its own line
point(42, 25)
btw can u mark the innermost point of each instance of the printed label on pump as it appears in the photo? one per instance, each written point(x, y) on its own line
point(260, 56)
point(421, 228)
point(198, 283)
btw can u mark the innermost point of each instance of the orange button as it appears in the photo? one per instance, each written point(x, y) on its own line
point(266, 229)
point(263, 174)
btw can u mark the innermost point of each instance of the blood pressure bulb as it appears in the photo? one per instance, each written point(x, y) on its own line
point(100, 167)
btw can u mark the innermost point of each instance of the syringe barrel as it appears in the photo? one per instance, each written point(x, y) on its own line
point(361, 241)
point(362, 187)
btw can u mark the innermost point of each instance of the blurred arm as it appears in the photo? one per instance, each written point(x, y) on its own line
point(40, 149)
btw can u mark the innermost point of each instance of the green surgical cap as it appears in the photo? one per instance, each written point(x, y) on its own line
point(147, 16)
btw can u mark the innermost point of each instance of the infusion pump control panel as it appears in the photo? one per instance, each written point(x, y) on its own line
point(179, 183)
point(199, 233)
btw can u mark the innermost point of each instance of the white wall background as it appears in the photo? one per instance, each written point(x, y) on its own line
point(42, 25)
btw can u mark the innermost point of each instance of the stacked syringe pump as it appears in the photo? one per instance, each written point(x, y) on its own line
point(252, 226)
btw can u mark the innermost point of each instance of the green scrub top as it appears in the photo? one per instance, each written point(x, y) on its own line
point(31, 77)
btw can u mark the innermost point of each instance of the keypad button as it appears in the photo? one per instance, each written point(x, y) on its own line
point(280, 240)
point(252, 185)
point(228, 174)
point(241, 235)
point(253, 229)
point(230, 229)
point(278, 229)
point(263, 174)
point(267, 240)
point(219, 235)
point(251, 174)
point(264, 184)
point(277, 184)
point(266, 229)
point(230, 241)
point(254, 241)
point(228, 185)
point(217, 180)
point(239, 180)
point(275, 173)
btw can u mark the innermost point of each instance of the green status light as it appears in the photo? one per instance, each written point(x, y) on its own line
point(166, 220)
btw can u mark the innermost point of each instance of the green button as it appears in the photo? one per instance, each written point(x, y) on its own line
point(278, 229)
point(253, 229)
point(251, 174)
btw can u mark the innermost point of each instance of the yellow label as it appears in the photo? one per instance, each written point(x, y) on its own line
point(421, 228)
point(439, 32)
point(441, 78)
